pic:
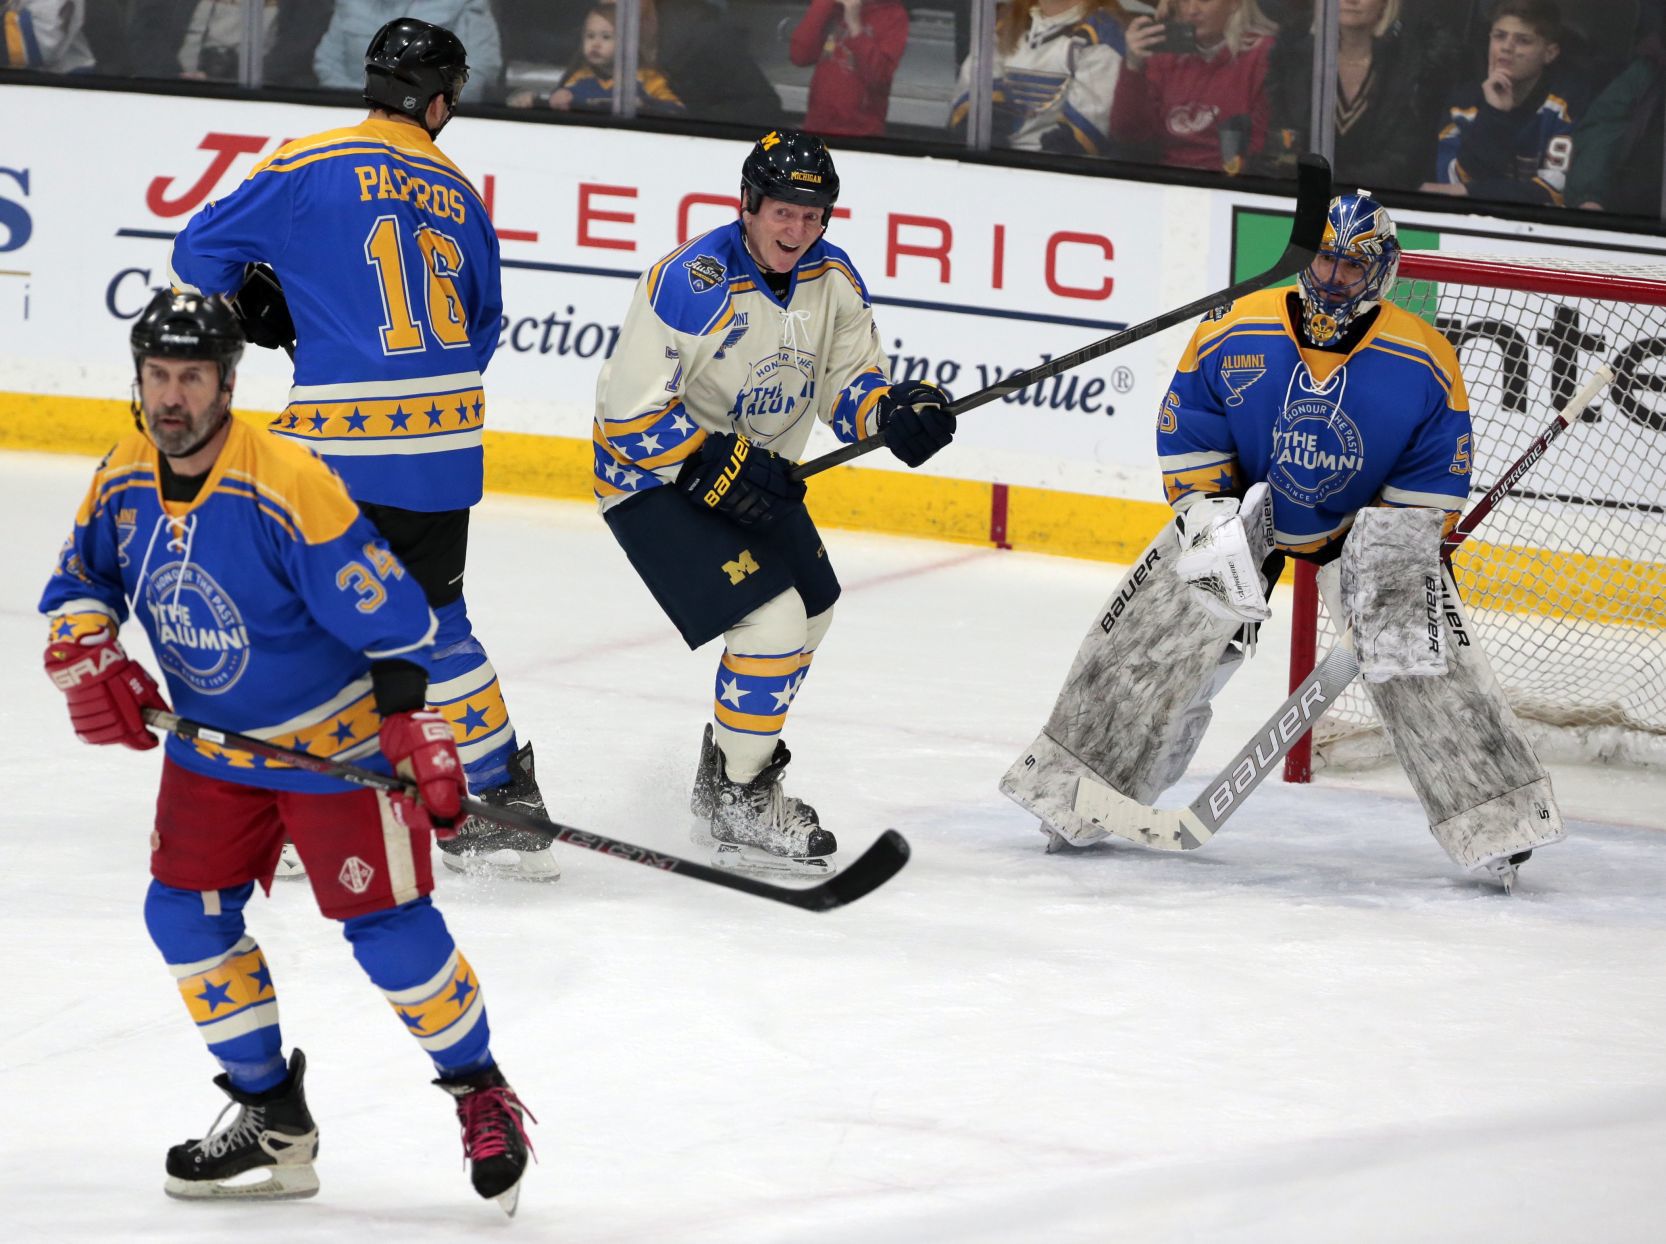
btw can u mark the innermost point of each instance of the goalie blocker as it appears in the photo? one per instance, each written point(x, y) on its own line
point(1136, 702)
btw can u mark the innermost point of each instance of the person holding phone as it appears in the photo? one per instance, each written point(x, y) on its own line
point(1192, 92)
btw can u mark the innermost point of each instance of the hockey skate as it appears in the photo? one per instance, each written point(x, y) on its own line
point(495, 1143)
point(756, 826)
point(273, 1132)
point(482, 849)
point(1504, 871)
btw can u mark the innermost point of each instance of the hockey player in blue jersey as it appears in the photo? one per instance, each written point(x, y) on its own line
point(1329, 424)
point(274, 609)
point(387, 267)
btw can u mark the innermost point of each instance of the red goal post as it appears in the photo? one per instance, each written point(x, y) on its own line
point(1566, 580)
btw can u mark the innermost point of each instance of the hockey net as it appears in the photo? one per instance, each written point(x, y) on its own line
point(1565, 581)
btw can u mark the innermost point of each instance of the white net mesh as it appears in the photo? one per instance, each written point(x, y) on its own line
point(1566, 578)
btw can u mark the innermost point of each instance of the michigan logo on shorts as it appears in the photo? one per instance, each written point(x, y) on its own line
point(742, 566)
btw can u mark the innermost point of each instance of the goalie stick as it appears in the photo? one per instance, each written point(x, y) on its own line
point(1186, 829)
point(872, 869)
point(1306, 230)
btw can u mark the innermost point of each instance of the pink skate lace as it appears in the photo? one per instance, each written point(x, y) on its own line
point(483, 1114)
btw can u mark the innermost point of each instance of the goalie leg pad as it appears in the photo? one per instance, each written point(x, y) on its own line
point(1135, 702)
point(1391, 575)
point(1482, 787)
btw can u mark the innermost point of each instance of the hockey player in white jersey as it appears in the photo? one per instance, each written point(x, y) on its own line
point(1328, 424)
point(735, 343)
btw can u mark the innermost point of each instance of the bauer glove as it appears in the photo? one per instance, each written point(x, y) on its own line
point(915, 420)
point(743, 482)
point(107, 690)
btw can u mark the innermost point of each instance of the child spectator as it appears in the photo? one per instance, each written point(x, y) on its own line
point(855, 46)
point(1056, 68)
point(1193, 86)
point(1510, 137)
point(588, 85)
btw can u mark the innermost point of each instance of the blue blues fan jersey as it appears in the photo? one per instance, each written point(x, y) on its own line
point(707, 347)
point(266, 600)
point(1520, 156)
point(391, 270)
point(1385, 424)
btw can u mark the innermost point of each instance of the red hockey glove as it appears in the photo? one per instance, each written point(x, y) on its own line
point(421, 747)
point(107, 690)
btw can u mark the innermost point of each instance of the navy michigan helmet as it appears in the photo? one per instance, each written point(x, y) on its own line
point(409, 62)
point(791, 166)
point(1358, 257)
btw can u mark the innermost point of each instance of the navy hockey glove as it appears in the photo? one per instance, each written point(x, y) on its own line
point(915, 420)
point(263, 311)
point(741, 481)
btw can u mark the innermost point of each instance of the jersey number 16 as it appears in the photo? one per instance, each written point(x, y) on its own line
point(442, 261)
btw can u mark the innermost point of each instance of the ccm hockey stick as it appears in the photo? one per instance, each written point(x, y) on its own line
point(1186, 829)
point(872, 869)
point(1306, 231)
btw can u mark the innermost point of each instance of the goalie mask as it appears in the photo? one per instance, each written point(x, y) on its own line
point(1358, 257)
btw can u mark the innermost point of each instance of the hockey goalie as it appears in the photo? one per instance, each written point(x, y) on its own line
point(1320, 423)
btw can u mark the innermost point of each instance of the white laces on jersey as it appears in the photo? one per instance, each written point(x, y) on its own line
point(791, 323)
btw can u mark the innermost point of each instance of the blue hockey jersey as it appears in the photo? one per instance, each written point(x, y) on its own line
point(391, 270)
point(266, 599)
point(1387, 423)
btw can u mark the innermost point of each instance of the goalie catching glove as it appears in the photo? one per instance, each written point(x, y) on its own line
point(421, 747)
point(107, 690)
point(1222, 544)
point(915, 420)
point(743, 482)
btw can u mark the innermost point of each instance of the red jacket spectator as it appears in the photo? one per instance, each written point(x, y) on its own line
point(855, 46)
point(1180, 101)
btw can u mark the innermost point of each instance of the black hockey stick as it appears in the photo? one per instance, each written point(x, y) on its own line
point(872, 869)
point(1185, 829)
point(1306, 230)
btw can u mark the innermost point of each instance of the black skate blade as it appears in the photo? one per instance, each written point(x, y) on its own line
point(758, 862)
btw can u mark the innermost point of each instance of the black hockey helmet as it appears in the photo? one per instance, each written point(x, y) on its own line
point(187, 326)
point(792, 166)
point(408, 62)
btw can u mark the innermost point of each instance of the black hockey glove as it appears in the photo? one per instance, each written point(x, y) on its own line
point(915, 420)
point(741, 481)
point(263, 311)
point(1062, 140)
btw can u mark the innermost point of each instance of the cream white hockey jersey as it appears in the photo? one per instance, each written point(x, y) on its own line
point(708, 347)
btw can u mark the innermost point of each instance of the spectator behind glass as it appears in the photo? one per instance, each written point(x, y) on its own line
point(1510, 137)
point(1617, 143)
point(339, 61)
point(588, 84)
point(290, 51)
point(44, 35)
point(1389, 90)
point(213, 42)
point(1204, 103)
point(1056, 68)
point(855, 47)
point(708, 64)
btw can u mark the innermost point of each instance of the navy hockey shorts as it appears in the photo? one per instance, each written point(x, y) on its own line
point(707, 573)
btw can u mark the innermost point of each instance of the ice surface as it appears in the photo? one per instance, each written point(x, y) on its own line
point(1313, 1029)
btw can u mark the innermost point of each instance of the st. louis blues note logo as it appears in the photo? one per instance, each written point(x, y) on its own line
point(737, 330)
point(1238, 372)
point(704, 272)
